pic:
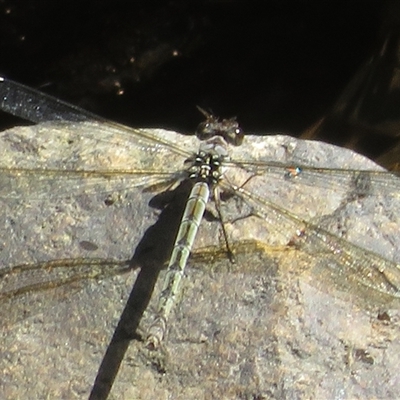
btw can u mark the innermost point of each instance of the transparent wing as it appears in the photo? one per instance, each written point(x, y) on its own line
point(21, 279)
point(38, 107)
point(34, 185)
point(293, 218)
point(72, 158)
point(32, 105)
point(75, 150)
point(357, 181)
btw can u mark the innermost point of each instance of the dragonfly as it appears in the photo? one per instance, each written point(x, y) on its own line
point(72, 153)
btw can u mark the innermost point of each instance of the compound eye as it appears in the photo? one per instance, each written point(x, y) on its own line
point(236, 136)
point(205, 130)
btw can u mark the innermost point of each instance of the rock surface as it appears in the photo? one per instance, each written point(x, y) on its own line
point(272, 325)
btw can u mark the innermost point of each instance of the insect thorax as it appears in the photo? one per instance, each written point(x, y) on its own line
point(207, 164)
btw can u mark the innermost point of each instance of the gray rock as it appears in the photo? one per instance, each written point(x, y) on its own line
point(281, 322)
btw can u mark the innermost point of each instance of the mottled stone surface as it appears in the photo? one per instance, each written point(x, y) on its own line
point(276, 324)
